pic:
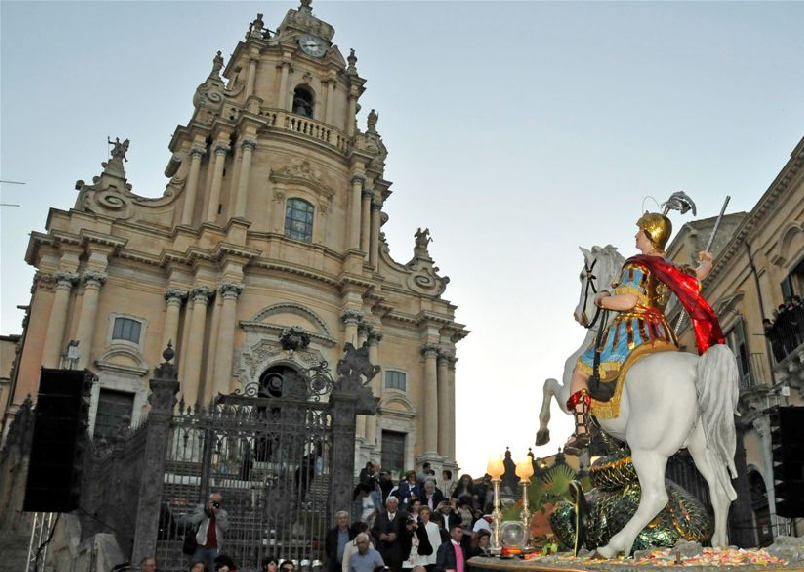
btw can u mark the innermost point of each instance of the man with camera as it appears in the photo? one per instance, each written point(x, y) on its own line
point(212, 522)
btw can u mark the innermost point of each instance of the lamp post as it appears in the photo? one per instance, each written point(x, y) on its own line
point(495, 470)
point(524, 470)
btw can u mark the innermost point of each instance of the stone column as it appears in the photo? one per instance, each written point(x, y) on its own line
point(164, 387)
point(283, 86)
point(245, 172)
point(222, 379)
point(174, 299)
point(350, 319)
point(375, 232)
point(350, 117)
point(365, 221)
point(362, 332)
point(429, 426)
point(191, 190)
point(54, 337)
point(330, 100)
point(444, 404)
point(450, 426)
point(221, 149)
point(353, 232)
point(191, 378)
point(376, 387)
point(252, 76)
point(93, 280)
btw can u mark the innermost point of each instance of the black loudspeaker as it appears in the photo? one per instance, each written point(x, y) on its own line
point(55, 468)
point(787, 442)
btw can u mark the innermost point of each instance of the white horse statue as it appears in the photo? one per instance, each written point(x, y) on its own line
point(670, 401)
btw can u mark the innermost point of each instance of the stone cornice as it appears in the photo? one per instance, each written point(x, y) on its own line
point(296, 270)
point(747, 229)
point(94, 239)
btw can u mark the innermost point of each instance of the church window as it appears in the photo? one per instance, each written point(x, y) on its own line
point(114, 409)
point(396, 380)
point(299, 220)
point(303, 102)
point(126, 329)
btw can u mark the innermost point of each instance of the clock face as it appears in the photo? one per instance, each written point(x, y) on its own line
point(312, 46)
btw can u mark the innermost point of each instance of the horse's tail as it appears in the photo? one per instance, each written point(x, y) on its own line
point(717, 384)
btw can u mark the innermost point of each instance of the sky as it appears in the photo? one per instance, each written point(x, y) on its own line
point(517, 132)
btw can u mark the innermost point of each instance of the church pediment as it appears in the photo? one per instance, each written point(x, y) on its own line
point(279, 317)
point(122, 360)
point(302, 174)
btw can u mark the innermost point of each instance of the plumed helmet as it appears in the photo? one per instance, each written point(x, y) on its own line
point(657, 227)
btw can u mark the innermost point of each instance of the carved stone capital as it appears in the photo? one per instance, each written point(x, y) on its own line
point(221, 149)
point(201, 294)
point(175, 295)
point(248, 145)
point(430, 351)
point(351, 316)
point(65, 279)
point(374, 338)
point(197, 153)
point(368, 194)
point(357, 178)
point(230, 290)
point(93, 278)
point(43, 281)
point(445, 356)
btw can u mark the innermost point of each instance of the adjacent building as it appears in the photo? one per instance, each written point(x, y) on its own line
point(759, 267)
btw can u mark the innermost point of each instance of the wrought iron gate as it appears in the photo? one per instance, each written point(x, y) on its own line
point(268, 453)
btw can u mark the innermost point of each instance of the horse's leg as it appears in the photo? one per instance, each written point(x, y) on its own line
point(551, 388)
point(650, 467)
point(708, 469)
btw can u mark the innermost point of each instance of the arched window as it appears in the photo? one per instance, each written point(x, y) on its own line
point(299, 220)
point(303, 101)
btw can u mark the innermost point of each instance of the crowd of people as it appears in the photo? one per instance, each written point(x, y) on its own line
point(786, 331)
point(414, 524)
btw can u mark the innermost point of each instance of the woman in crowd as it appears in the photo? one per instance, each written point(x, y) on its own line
point(270, 564)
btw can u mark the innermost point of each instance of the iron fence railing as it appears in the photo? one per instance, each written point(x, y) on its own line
point(269, 459)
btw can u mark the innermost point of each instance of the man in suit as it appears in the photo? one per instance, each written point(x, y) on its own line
point(451, 555)
point(388, 531)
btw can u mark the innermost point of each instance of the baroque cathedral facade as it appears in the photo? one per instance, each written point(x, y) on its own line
point(264, 254)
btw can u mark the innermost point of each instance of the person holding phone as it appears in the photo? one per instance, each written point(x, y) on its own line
point(212, 522)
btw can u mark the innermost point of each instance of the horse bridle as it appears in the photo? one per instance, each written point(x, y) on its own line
point(590, 277)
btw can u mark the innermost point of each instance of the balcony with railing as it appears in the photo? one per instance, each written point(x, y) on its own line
point(291, 122)
point(756, 372)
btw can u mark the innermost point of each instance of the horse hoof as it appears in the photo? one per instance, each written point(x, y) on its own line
point(542, 437)
point(604, 553)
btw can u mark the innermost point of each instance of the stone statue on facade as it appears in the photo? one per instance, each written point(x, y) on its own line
point(372, 121)
point(119, 150)
point(422, 240)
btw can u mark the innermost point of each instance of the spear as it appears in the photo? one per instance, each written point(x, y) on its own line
point(681, 314)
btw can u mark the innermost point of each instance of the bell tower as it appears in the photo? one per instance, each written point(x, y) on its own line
point(273, 141)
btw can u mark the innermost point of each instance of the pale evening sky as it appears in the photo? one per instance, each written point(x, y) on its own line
point(517, 132)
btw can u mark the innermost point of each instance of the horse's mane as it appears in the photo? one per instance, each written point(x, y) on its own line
point(609, 263)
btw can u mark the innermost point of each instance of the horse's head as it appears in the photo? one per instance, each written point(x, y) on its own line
point(601, 266)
